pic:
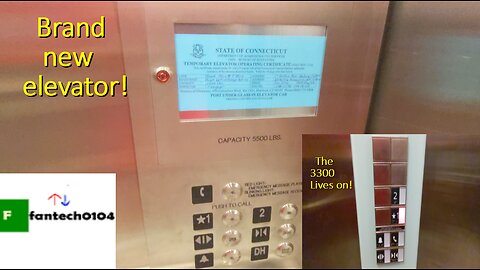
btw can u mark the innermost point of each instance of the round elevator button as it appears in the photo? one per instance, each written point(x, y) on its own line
point(286, 231)
point(288, 211)
point(231, 256)
point(284, 249)
point(231, 217)
point(232, 191)
point(231, 238)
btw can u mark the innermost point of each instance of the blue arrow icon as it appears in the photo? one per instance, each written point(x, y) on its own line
point(65, 203)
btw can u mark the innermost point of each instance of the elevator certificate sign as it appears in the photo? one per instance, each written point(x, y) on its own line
point(227, 72)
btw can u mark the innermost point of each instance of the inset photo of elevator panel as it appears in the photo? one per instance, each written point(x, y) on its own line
point(385, 200)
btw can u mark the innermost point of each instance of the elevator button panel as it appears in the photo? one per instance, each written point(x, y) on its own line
point(390, 163)
point(231, 227)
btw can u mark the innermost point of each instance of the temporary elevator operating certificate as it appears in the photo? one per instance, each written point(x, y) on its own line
point(229, 72)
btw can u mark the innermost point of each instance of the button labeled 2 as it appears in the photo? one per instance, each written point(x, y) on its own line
point(262, 214)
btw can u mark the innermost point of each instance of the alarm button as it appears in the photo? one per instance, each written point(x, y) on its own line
point(204, 260)
point(231, 257)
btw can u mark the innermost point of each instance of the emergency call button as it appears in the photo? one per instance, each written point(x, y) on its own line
point(202, 194)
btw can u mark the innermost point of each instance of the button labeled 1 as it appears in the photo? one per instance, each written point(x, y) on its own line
point(203, 221)
point(202, 194)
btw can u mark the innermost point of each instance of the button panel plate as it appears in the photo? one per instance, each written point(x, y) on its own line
point(234, 215)
point(390, 164)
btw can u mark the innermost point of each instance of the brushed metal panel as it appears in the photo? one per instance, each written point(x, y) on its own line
point(329, 216)
point(450, 221)
point(173, 156)
point(238, 29)
point(428, 82)
point(428, 74)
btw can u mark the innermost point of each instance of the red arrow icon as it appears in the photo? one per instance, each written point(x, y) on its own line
point(55, 196)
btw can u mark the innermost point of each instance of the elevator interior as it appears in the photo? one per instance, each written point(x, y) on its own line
point(390, 67)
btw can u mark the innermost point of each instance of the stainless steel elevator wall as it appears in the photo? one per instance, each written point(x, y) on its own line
point(428, 82)
point(450, 221)
point(428, 76)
